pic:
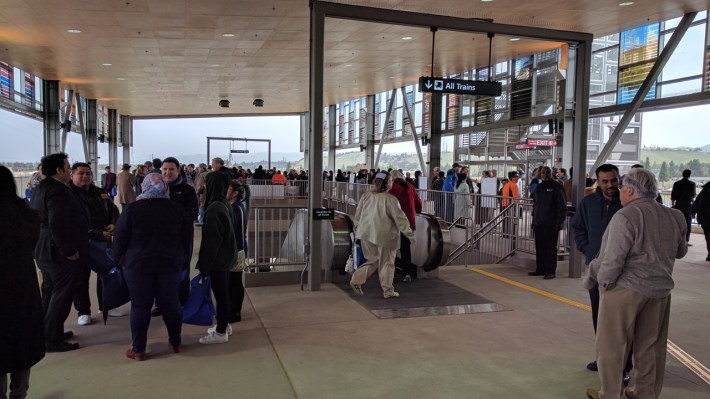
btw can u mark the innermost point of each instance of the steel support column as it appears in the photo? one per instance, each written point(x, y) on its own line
point(66, 123)
point(332, 137)
point(304, 125)
point(383, 134)
point(415, 137)
point(92, 140)
point(315, 138)
point(370, 132)
point(576, 118)
point(52, 128)
point(127, 137)
point(434, 152)
point(113, 140)
point(641, 94)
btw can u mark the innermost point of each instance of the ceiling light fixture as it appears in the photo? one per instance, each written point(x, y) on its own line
point(487, 1)
point(120, 78)
point(227, 34)
point(73, 30)
point(107, 64)
point(407, 38)
point(626, 3)
point(515, 39)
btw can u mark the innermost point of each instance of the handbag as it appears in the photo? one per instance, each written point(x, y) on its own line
point(199, 309)
point(100, 257)
point(240, 262)
point(115, 290)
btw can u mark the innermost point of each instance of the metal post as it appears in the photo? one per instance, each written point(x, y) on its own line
point(434, 153)
point(315, 136)
point(370, 132)
point(415, 137)
point(92, 139)
point(332, 137)
point(127, 137)
point(113, 140)
point(576, 112)
point(383, 136)
point(52, 137)
point(67, 120)
point(82, 127)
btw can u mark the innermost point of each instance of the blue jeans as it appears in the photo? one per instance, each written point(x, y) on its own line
point(144, 287)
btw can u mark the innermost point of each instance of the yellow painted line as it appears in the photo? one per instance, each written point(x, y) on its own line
point(688, 361)
point(533, 289)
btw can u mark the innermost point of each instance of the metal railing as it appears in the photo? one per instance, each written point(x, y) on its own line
point(267, 189)
point(278, 239)
point(492, 233)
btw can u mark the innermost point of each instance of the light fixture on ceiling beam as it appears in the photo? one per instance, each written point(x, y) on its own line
point(227, 34)
point(626, 3)
point(74, 30)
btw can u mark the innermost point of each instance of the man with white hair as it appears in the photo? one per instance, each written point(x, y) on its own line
point(634, 273)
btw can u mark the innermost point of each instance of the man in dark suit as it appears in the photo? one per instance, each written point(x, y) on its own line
point(682, 198)
point(108, 181)
point(63, 242)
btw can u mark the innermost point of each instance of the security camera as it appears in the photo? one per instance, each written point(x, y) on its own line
point(258, 102)
point(224, 103)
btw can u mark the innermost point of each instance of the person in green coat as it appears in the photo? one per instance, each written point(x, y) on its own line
point(218, 252)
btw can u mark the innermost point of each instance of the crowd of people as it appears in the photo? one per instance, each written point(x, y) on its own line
point(69, 226)
point(615, 227)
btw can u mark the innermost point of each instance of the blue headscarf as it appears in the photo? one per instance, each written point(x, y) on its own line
point(154, 187)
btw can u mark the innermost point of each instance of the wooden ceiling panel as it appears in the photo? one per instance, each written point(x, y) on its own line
point(172, 53)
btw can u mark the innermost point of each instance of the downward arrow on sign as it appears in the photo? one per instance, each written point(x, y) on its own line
point(428, 85)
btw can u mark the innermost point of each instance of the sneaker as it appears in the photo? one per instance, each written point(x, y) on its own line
point(592, 366)
point(115, 313)
point(393, 294)
point(357, 289)
point(213, 329)
point(407, 279)
point(84, 320)
point(214, 338)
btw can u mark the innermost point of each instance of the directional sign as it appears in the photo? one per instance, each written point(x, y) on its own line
point(542, 142)
point(459, 86)
point(239, 151)
point(524, 147)
point(323, 213)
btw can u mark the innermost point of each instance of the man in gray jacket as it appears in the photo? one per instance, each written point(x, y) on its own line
point(634, 273)
point(588, 225)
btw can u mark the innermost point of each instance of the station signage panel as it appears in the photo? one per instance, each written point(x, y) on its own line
point(323, 213)
point(429, 84)
point(524, 147)
point(542, 142)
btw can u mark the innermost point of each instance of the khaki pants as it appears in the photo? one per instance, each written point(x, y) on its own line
point(378, 259)
point(626, 316)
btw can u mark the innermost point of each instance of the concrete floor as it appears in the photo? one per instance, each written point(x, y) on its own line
point(300, 344)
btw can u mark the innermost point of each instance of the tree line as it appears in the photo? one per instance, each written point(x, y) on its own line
point(667, 171)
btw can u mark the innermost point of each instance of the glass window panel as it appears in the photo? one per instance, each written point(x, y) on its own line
point(639, 44)
point(680, 88)
point(630, 81)
point(597, 68)
point(687, 59)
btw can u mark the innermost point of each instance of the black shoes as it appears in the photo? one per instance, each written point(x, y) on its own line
point(156, 312)
point(549, 276)
point(627, 378)
point(67, 334)
point(536, 274)
point(64, 346)
point(592, 366)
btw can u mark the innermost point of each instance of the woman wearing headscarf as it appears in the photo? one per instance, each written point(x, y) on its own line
point(378, 222)
point(151, 242)
point(218, 252)
point(21, 316)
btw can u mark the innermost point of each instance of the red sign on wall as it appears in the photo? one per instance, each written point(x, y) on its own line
point(543, 142)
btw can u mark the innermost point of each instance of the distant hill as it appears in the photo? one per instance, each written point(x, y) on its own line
point(677, 156)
